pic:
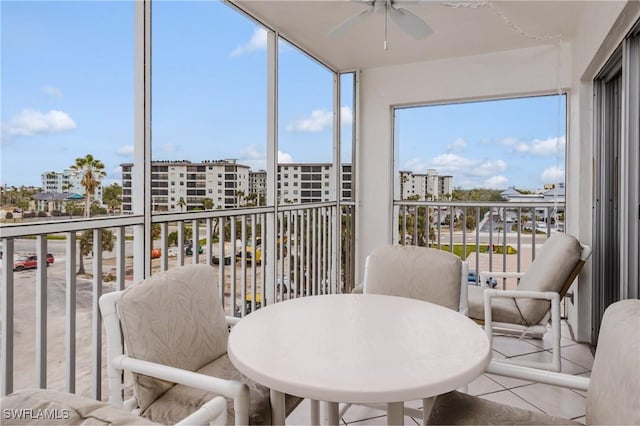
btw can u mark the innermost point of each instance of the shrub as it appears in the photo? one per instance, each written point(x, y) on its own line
point(8, 215)
point(42, 214)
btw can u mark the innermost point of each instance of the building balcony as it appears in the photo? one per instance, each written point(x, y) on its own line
point(281, 250)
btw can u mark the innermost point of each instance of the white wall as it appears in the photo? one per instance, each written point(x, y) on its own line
point(504, 74)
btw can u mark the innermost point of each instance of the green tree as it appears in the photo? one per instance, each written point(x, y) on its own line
point(91, 171)
point(86, 245)
point(207, 203)
point(112, 197)
point(182, 203)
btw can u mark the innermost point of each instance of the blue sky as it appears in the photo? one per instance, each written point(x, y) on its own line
point(67, 91)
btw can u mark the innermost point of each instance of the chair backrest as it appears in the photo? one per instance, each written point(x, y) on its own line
point(555, 267)
point(614, 388)
point(174, 318)
point(416, 272)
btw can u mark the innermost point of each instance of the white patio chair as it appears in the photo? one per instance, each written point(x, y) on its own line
point(38, 406)
point(527, 310)
point(175, 343)
point(613, 391)
point(422, 273)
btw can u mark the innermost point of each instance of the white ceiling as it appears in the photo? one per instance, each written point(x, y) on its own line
point(457, 31)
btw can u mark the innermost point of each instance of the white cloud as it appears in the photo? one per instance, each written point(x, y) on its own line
point(258, 41)
point(496, 182)
point(54, 92)
point(253, 157)
point(552, 174)
point(488, 168)
point(346, 115)
point(458, 145)
point(31, 122)
point(319, 120)
point(548, 146)
point(284, 157)
point(414, 164)
point(537, 147)
point(125, 151)
point(452, 162)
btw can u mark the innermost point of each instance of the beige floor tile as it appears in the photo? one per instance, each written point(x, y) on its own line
point(508, 398)
point(508, 382)
point(301, 415)
point(512, 346)
point(547, 341)
point(357, 413)
point(553, 400)
point(578, 354)
point(482, 385)
point(382, 420)
point(545, 356)
point(582, 420)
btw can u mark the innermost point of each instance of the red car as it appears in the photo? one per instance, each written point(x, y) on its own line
point(30, 261)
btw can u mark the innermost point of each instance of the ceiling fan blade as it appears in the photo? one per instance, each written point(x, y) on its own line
point(410, 23)
point(343, 26)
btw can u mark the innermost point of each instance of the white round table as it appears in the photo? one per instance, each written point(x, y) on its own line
point(359, 348)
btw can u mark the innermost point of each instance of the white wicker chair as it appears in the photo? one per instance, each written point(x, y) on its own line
point(613, 390)
point(175, 343)
point(417, 272)
point(517, 312)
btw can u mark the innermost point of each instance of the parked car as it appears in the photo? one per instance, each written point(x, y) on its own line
point(30, 261)
point(249, 255)
point(227, 259)
point(472, 279)
point(189, 250)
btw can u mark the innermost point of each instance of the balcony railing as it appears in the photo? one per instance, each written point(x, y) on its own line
point(260, 256)
point(491, 236)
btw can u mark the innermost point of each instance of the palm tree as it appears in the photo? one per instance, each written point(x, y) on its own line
point(181, 203)
point(86, 245)
point(90, 171)
point(207, 203)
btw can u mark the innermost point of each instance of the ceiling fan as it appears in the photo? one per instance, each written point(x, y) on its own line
point(407, 21)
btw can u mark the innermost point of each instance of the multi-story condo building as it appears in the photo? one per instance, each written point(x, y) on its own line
point(258, 186)
point(183, 185)
point(310, 182)
point(67, 181)
point(426, 186)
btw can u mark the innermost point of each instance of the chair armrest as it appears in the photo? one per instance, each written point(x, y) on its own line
point(552, 296)
point(548, 295)
point(537, 375)
point(359, 289)
point(231, 321)
point(228, 388)
point(500, 274)
point(213, 412)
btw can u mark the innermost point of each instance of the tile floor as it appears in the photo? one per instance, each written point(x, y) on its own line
point(576, 359)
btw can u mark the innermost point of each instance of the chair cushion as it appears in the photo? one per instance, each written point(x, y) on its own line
point(180, 401)
point(614, 388)
point(550, 270)
point(416, 272)
point(61, 408)
point(173, 318)
point(503, 309)
point(456, 408)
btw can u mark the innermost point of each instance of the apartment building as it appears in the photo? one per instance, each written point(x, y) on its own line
point(183, 185)
point(311, 182)
point(426, 186)
point(66, 181)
